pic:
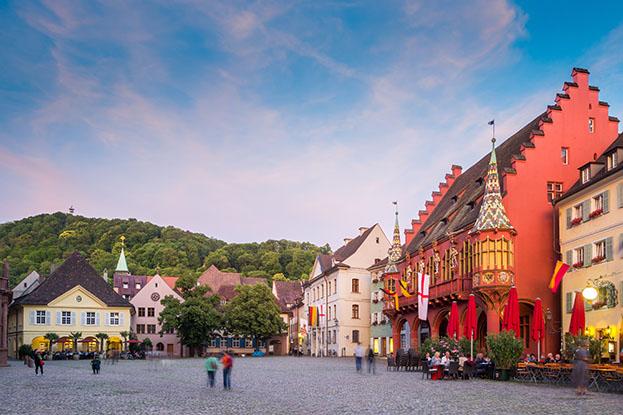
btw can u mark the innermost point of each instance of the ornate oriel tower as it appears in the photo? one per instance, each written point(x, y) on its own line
point(493, 239)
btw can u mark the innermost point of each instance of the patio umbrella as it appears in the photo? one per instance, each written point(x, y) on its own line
point(134, 341)
point(538, 324)
point(453, 323)
point(511, 313)
point(471, 322)
point(576, 326)
point(89, 339)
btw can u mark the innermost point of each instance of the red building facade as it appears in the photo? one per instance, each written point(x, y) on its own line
point(492, 226)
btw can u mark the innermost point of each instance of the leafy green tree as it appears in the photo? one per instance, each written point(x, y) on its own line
point(52, 338)
point(253, 313)
point(125, 335)
point(147, 345)
point(195, 320)
point(279, 277)
point(101, 337)
point(75, 336)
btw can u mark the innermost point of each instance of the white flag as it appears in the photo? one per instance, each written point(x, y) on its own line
point(423, 283)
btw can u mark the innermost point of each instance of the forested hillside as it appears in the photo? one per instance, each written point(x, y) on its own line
point(40, 242)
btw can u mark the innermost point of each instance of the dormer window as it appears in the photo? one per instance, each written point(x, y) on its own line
point(480, 181)
point(471, 205)
point(454, 199)
point(586, 174)
point(444, 221)
point(125, 284)
point(591, 125)
point(612, 161)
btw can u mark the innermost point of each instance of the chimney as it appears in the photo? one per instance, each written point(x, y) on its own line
point(347, 240)
point(362, 229)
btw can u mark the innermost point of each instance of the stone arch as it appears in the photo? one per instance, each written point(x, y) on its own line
point(439, 321)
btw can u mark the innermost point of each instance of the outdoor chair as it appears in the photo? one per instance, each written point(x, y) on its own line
point(453, 370)
point(404, 361)
point(391, 362)
point(468, 371)
point(425, 369)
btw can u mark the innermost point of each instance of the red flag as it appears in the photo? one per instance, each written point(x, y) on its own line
point(559, 272)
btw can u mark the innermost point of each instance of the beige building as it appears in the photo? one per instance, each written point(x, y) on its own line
point(591, 242)
point(339, 288)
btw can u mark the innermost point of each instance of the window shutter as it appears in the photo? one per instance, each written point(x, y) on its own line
point(606, 200)
point(59, 320)
point(97, 319)
point(620, 194)
point(568, 300)
point(73, 318)
point(121, 318)
point(621, 250)
point(83, 318)
point(229, 342)
point(569, 217)
point(569, 258)
point(588, 254)
point(32, 317)
point(587, 305)
point(242, 343)
point(48, 317)
point(106, 319)
point(609, 249)
point(586, 209)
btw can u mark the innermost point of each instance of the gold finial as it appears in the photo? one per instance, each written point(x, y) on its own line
point(122, 238)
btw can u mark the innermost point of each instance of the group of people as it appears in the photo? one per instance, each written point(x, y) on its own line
point(550, 358)
point(359, 354)
point(481, 364)
point(212, 365)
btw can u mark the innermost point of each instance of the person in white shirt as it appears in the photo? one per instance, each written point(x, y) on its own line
point(446, 359)
point(358, 356)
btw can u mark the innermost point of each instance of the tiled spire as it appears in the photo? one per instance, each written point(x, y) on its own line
point(395, 251)
point(492, 215)
point(122, 265)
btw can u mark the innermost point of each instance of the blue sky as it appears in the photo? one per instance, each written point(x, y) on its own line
point(256, 120)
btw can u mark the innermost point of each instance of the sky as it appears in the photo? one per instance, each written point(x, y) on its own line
point(302, 120)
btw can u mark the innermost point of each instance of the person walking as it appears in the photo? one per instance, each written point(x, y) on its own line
point(211, 366)
point(371, 362)
point(580, 370)
point(96, 363)
point(227, 361)
point(38, 363)
point(358, 356)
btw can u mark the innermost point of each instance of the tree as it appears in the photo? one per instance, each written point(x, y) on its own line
point(195, 320)
point(75, 336)
point(101, 337)
point(147, 345)
point(279, 277)
point(51, 338)
point(253, 313)
point(125, 335)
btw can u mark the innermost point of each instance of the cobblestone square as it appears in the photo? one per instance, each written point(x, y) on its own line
point(284, 385)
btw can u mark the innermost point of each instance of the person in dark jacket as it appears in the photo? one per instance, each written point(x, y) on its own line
point(96, 364)
point(38, 363)
point(371, 362)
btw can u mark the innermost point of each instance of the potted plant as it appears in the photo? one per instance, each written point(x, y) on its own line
point(576, 221)
point(505, 350)
point(598, 259)
point(595, 213)
point(578, 264)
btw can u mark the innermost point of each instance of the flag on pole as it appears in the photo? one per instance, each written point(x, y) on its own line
point(559, 272)
point(394, 295)
point(423, 283)
point(312, 315)
point(404, 288)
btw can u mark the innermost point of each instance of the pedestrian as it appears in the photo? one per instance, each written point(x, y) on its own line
point(358, 356)
point(95, 364)
point(211, 366)
point(227, 361)
point(580, 369)
point(371, 362)
point(38, 363)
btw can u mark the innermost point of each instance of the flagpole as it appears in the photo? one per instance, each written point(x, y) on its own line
point(472, 344)
point(538, 347)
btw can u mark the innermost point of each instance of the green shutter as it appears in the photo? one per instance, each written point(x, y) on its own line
point(569, 217)
point(569, 258)
point(569, 302)
point(620, 194)
point(609, 249)
point(587, 305)
point(586, 209)
point(606, 200)
point(588, 254)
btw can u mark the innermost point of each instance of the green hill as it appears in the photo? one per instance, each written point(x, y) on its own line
point(42, 241)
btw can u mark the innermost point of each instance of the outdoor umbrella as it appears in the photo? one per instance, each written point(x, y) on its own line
point(511, 313)
point(538, 325)
point(471, 322)
point(576, 326)
point(134, 341)
point(453, 323)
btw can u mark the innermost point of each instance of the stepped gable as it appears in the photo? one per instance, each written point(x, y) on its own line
point(351, 247)
point(459, 207)
point(71, 273)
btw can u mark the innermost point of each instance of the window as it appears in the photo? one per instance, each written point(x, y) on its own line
point(141, 311)
point(322, 291)
point(355, 311)
point(355, 336)
point(591, 125)
point(334, 336)
point(113, 319)
point(598, 202)
point(600, 251)
point(578, 255)
point(578, 211)
point(335, 286)
point(89, 318)
point(151, 329)
point(66, 318)
point(334, 311)
point(213, 343)
point(137, 285)
point(140, 329)
point(564, 155)
point(378, 240)
point(329, 288)
point(524, 329)
point(355, 285)
point(554, 191)
point(169, 331)
point(236, 342)
point(375, 297)
point(586, 174)
point(40, 317)
point(151, 312)
point(375, 318)
point(612, 161)
point(125, 284)
point(329, 313)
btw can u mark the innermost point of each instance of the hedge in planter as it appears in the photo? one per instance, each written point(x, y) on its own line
point(504, 349)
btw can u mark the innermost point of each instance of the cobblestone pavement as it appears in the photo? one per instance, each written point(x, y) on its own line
point(281, 385)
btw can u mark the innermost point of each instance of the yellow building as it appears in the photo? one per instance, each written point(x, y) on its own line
point(73, 298)
point(591, 242)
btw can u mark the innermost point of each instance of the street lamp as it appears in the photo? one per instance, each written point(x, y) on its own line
point(589, 292)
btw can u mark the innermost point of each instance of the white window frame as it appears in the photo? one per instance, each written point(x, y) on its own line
point(599, 249)
point(137, 285)
point(89, 318)
point(578, 211)
point(564, 155)
point(598, 202)
point(612, 161)
point(125, 284)
point(578, 255)
point(40, 319)
point(586, 174)
point(591, 125)
point(236, 342)
point(114, 318)
point(66, 318)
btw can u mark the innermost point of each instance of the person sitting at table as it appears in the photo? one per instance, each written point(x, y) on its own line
point(446, 359)
point(557, 358)
point(462, 360)
point(435, 360)
point(550, 358)
point(532, 358)
point(428, 359)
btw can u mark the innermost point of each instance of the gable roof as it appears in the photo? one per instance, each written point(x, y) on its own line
point(287, 292)
point(224, 283)
point(170, 281)
point(352, 246)
point(459, 207)
point(325, 261)
point(73, 272)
